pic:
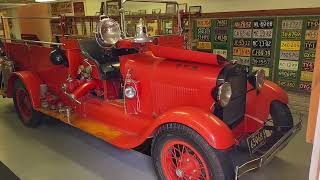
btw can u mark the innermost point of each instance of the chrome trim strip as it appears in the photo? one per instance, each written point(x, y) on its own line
point(31, 41)
point(265, 158)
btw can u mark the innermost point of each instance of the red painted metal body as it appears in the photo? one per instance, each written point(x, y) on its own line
point(173, 86)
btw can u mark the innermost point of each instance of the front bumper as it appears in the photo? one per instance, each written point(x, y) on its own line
point(268, 154)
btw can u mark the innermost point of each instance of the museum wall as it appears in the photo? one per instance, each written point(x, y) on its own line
point(42, 29)
point(214, 5)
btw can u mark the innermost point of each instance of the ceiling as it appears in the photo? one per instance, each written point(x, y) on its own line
point(13, 3)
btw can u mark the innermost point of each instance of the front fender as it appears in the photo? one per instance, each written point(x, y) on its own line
point(210, 127)
point(258, 106)
point(32, 83)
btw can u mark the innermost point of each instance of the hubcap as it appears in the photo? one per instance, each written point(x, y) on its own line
point(180, 160)
point(179, 173)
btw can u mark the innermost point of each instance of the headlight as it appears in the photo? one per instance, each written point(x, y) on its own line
point(222, 94)
point(108, 32)
point(130, 92)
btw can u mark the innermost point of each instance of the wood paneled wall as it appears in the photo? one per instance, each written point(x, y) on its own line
point(315, 94)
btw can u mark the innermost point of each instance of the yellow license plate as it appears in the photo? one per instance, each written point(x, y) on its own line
point(290, 45)
point(240, 51)
point(204, 45)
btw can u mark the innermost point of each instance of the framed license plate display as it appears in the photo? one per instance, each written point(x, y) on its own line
point(221, 37)
point(284, 46)
point(295, 52)
point(253, 43)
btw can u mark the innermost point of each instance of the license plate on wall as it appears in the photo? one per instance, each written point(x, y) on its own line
point(256, 140)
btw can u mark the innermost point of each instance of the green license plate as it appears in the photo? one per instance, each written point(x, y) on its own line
point(256, 140)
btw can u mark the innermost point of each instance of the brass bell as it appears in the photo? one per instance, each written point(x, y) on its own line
point(141, 33)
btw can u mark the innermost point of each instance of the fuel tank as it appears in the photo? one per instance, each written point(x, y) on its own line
point(164, 83)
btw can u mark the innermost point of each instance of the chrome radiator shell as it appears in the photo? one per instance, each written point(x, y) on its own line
point(6, 68)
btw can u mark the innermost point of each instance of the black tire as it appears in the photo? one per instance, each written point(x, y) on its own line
point(32, 121)
point(281, 117)
point(218, 163)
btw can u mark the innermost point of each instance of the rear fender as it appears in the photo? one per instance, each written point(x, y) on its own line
point(32, 83)
point(210, 127)
point(258, 106)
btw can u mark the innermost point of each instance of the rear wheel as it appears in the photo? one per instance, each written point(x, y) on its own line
point(22, 102)
point(181, 153)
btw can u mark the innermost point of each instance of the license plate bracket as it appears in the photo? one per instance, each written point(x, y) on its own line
point(256, 140)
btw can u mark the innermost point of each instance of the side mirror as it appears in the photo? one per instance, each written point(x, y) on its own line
point(256, 79)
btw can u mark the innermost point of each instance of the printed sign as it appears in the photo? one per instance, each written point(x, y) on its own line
point(222, 22)
point(292, 34)
point(305, 86)
point(287, 75)
point(242, 25)
point(262, 33)
point(288, 65)
point(311, 35)
point(204, 23)
point(242, 33)
point(291, 24)
point(262, 43)
point(266, 70)
point(287, 84)
point(306, 76)
point(242, 42)
point(221, 52)
point(310, 45)
point(221, 38)
point(204, 34)
point(263, 24)
point(260, 61)
point(307, 66)
point(313, 24)
point(239, 51)
point(309, 55)
point(261, 52)
point(204, 45)
point(242, 60)
point(290, 45)
point(289, 55)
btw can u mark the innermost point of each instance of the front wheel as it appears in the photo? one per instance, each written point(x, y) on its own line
point(181, 153)
point(22, 102)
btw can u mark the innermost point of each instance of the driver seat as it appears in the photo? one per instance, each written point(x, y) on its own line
point(109, 65)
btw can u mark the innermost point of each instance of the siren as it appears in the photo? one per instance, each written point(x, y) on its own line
point(141, 33)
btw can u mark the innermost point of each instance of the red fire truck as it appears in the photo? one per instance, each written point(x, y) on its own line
point(207, 117)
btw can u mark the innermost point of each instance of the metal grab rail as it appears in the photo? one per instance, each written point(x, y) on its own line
point(32, 41)
point(11, 17)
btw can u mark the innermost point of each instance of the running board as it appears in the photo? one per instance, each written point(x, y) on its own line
point(93, 127)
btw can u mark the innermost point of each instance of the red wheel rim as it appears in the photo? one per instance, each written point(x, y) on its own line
point(23, 104)
point(180, 160)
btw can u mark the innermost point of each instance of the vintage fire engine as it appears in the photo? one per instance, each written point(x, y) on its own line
point(207, 117)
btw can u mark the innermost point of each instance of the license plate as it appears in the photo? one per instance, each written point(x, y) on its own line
point(256, 140)
point(290, 45)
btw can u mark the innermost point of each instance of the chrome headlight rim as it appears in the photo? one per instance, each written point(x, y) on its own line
point(130, 92)
point(105, 27)
point(224, 93)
